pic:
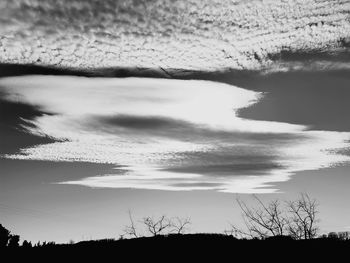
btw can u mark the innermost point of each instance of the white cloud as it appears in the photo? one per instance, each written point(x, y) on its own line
point(195, 35)
point(168, 134)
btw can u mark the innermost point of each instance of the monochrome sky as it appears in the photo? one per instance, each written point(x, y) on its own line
point(255, 100)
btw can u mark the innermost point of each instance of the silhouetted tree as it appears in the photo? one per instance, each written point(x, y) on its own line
point(48, 244)
point(27, 244)
point(264, 221)
point(344, 235)
point(157, 226)
point(302, 221)
point(14, 241)
point(5, 236)
point(297, 219)
point(180, 225)
point(332, 235)
point(131, 230)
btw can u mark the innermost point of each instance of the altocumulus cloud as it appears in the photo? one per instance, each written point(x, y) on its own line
point(181, 34)
point(167, 134)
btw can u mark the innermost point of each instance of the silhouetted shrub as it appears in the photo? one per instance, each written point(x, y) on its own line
point(27, 244)
point(344, 235)
point(337, 235)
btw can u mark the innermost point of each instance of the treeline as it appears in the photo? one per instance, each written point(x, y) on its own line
point(7, 239)
point(344, 235)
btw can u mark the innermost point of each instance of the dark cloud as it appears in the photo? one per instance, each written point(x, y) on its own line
point(199, 184)
point(229, 160)
point(231, 169)
point(13, 116)
point(342, 54)
point(145, 122)
point(9, 70)
point(156, 126)
point(59, 171)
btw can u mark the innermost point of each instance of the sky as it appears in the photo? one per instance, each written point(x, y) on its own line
point(247, 97)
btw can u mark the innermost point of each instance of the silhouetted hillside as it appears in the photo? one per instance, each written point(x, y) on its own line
point(190, 246)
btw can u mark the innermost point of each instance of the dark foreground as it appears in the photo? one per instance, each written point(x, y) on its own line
point(214, 247)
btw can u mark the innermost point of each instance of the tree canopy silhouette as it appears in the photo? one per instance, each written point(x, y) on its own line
point(4, 236)
point(7, 239)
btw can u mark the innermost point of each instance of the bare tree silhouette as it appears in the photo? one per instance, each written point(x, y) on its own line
point(297, 219)
point(157, 226)
point(130, 229)
point(264, 221)
point(180, 225)
point(302, 222)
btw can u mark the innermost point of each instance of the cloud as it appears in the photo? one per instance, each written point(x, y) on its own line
point(14, 117)
point(162, 127)
point(194, 35)
point(167, 134)
point(145, 122)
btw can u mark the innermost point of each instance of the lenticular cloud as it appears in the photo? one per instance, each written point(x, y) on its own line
point(167, 134)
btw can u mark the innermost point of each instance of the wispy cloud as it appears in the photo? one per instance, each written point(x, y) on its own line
point(182, 34)
point(168, 134)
